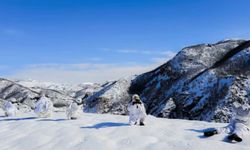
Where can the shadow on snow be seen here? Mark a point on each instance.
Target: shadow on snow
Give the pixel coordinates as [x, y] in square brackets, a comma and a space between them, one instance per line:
[201, 131]
[18, 119]
[57, 120]
[105, 125]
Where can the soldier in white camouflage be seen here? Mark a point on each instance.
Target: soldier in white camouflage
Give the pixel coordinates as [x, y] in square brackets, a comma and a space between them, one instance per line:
[44, 107]
[237, 128]
[10, 109]
[72, 112]
[137, 112]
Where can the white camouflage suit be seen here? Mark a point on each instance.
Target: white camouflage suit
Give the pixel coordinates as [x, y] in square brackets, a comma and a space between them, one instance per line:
[9, 108]
[72, 112]
[44, 107]
[137, 112]
[240, 125]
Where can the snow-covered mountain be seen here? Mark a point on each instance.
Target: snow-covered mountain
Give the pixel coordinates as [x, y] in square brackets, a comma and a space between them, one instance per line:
[25, 93]
[202, 82]
[33, 84]
[23, 96]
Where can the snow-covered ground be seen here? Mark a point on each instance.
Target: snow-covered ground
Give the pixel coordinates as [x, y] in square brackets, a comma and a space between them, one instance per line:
[108, 132]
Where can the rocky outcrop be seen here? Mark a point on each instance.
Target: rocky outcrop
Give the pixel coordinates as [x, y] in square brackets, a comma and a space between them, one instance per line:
[113, 97]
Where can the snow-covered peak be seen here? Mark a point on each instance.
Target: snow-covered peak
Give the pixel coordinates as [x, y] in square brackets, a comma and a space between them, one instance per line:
[51, 85]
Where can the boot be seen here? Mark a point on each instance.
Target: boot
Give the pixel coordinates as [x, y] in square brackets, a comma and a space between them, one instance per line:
[142, 124]
[234, 137]
[210, 133]
[73, 118]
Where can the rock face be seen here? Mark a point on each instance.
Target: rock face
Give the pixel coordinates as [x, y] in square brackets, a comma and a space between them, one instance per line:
[202, 82]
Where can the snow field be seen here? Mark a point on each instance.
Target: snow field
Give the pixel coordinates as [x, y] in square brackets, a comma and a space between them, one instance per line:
[108, 132]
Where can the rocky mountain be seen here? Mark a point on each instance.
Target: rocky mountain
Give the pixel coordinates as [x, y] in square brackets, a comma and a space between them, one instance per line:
[202, 82]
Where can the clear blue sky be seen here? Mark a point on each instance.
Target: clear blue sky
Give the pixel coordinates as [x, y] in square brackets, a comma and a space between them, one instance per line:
[56, 33]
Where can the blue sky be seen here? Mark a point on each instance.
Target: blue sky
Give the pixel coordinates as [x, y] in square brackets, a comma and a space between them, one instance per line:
[73, 41]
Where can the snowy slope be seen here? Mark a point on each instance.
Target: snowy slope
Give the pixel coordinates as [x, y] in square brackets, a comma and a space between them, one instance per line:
[108, 132]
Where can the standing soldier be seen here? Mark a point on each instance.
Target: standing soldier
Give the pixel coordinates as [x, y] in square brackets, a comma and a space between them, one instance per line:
[137, 113]
[72, 112]
[44, 107]
[10, 109]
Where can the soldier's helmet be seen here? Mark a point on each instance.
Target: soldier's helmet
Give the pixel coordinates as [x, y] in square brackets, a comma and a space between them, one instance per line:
[43, 94]
[136, 97]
